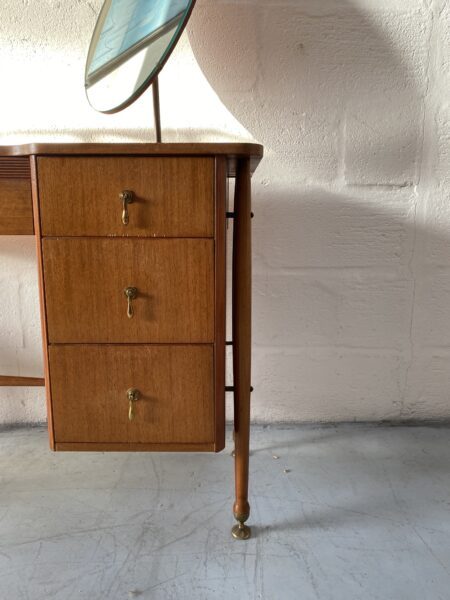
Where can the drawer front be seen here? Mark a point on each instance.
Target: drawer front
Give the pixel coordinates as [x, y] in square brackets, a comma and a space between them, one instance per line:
[85, 281]
[16, 211]
[172, 197]
[89, 394]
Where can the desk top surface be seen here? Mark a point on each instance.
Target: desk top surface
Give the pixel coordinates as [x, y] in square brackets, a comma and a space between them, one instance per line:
[231, 151]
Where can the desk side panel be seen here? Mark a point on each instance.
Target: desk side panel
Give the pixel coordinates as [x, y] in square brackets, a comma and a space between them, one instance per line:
[37, 229]
[220, 301]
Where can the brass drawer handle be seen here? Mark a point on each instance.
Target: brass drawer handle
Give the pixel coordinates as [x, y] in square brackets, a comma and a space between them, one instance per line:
[127, 197]
[130, 294]
[133, 396]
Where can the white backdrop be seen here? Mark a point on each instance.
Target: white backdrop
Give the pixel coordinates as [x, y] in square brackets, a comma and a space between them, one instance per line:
[352, 227]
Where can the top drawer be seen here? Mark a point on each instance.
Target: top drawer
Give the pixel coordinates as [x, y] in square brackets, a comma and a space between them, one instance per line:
[172, 197]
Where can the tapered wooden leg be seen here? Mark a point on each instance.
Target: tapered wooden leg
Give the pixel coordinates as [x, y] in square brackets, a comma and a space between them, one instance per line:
[242, 342]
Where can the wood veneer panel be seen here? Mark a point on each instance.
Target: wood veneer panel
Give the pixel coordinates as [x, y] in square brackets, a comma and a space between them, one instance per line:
[238, 149]
[16, 211]
[89, 393]
[174, 197]
[85, 280]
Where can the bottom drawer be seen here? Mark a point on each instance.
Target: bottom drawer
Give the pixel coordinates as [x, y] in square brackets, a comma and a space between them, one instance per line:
[90, 405]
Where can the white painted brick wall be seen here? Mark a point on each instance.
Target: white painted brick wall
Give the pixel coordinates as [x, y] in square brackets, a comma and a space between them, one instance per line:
[351, 99]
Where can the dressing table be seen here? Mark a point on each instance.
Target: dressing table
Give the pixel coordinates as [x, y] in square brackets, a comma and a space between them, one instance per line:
[131, 250]
[131, 253]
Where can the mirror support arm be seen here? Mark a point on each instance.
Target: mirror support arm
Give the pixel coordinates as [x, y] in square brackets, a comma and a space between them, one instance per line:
[156, 110]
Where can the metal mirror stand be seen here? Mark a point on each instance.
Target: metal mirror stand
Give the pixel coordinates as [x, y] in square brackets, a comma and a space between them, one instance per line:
[156, 109]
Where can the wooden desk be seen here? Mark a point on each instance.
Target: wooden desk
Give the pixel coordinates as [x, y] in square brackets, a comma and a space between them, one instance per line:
[132, 274]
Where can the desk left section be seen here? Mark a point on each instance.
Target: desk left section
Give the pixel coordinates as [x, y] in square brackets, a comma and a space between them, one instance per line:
[131, 252]
[16, 211]
[16, 218]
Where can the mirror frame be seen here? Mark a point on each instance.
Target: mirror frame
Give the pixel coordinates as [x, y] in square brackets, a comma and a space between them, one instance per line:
[152, 76]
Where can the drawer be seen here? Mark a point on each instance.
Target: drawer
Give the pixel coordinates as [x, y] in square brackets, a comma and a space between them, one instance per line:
[16, 211]
[89, 394]
[172, 197]
[85, 279]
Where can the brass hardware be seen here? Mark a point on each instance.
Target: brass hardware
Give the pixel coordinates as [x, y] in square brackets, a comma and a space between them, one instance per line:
[241, 532]
[133, 396]
[127, 197]
[232, 215]
[130, 294]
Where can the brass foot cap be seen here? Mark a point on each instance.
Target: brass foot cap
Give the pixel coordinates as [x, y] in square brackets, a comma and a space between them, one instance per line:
[241, 532]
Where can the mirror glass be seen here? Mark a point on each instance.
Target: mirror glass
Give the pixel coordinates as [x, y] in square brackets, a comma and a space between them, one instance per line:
[131, 42]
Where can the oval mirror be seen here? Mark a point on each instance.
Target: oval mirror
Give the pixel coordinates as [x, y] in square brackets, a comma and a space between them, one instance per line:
[132, 41]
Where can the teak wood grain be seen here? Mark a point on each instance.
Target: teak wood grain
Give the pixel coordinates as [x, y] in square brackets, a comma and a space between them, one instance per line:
[232, 152]
[16, 211]
[17, 380]
[220, 298]
[89, 394]
[173, 197]
[133, 447]
[242, 323]
[42, 307]
[85, 279]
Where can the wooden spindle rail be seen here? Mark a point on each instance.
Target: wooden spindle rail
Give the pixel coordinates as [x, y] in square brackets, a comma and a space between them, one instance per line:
[15, 381]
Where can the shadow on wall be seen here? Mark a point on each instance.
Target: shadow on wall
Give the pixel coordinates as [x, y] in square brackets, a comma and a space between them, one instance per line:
[345, 277]
[351, 289]
[330, 90]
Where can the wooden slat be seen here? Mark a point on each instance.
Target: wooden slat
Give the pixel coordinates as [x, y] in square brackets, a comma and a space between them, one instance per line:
[114, 447]
[14, 167]
[13, 381]
[220, 300]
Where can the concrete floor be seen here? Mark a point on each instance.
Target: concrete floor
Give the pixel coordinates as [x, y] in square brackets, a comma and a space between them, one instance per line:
[347, 512]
